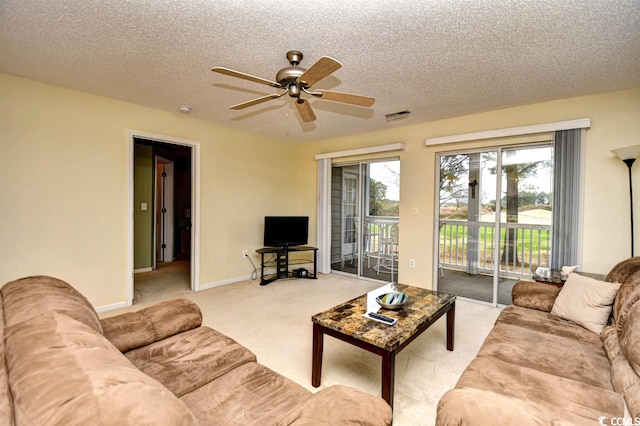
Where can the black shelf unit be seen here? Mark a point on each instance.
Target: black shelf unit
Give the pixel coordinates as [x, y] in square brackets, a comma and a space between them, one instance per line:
[282, 263]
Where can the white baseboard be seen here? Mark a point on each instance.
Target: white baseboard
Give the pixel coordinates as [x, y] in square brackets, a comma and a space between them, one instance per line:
[113, 306]
[106, 308]
[137, 271]
[224, 282]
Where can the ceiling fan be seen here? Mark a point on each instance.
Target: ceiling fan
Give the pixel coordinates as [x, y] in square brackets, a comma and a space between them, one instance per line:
[295, 81]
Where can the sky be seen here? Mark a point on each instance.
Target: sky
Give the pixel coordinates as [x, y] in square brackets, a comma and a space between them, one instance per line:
[541, 182]
[387, 172]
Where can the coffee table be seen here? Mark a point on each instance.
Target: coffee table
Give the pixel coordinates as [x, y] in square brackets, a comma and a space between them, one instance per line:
[346, 322]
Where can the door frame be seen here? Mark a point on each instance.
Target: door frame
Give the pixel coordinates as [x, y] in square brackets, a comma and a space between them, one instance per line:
[352, 246]
[473, 172]
[499, 149]
[195, 205]
[363, 178]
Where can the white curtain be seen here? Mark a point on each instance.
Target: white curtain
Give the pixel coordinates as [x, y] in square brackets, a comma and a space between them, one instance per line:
[324, 216]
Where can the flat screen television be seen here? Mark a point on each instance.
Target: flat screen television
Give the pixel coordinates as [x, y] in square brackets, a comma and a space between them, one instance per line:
[284, 231]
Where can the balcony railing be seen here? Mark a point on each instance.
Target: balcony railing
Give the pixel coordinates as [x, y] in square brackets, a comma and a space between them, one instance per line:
[377, 228]
[380, 243]
[471, 247]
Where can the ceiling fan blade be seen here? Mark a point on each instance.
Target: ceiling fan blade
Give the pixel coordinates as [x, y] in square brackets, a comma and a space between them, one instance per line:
[305, 110]
[322, 68]
[256, 101]
[244, 76]
[346, 98]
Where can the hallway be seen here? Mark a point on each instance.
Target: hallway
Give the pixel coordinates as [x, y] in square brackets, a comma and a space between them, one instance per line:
[170, 279]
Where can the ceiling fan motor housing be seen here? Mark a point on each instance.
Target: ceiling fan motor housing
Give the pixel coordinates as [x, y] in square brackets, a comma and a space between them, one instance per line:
[289, 75]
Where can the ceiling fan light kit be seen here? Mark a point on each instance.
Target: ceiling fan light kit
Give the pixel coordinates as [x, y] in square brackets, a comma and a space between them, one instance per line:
[295, 81]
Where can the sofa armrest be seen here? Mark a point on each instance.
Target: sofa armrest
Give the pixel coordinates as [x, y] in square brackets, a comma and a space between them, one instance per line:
[172, 317]
[339, 405]
[534, 295]
[128, 331]
[136, 329]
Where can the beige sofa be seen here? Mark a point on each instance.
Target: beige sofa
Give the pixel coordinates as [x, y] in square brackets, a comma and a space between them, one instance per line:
[537, 369]
[61, 365]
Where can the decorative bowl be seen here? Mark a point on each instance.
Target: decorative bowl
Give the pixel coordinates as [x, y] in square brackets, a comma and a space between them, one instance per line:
[393, 301]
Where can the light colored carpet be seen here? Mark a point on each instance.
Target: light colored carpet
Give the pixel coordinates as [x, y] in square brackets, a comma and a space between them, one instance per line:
[168, 279]
[274, 322]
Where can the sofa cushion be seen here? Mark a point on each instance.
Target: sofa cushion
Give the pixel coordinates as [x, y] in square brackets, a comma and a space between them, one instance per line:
[467, 406]
[63, 372]
[30, 297]
[347, 406]
[585, 301]
[128, 331]
[543, 322]
[533, 385]
[251, 394]
[191, 359]
[555, 355]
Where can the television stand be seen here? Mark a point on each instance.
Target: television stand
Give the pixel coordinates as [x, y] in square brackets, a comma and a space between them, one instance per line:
[282, 263]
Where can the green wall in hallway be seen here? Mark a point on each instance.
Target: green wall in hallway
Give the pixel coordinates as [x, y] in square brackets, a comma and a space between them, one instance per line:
[143, 219]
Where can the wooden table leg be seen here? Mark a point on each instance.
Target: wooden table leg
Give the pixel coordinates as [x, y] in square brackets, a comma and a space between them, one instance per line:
[388, 376]
[316, 367]
[451, 319]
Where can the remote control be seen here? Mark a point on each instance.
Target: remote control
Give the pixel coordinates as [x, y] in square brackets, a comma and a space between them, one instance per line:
[382, 318]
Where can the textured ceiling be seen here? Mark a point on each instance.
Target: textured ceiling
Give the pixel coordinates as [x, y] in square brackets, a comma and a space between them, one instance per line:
[435, 58]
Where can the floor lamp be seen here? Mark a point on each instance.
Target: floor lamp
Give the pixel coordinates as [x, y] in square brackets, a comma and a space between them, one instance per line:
[628, 155]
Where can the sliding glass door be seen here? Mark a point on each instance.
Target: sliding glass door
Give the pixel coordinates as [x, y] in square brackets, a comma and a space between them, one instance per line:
[365, 200]
[494, 221]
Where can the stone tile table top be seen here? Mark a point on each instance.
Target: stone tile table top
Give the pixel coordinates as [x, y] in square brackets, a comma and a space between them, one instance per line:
[347, 318]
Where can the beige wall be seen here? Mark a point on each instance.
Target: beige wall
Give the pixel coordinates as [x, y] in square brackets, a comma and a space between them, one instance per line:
[63, 183]
[63, 187]
[614, 123]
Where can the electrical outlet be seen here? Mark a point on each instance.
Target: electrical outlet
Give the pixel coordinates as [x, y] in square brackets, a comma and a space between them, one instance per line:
[412, 263]
[245, 253]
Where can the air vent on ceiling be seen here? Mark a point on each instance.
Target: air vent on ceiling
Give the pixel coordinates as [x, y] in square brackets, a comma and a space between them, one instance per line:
[397, 115]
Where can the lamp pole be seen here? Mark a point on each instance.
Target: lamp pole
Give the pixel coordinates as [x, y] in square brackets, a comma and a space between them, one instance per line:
[629, 162]
[629, 155]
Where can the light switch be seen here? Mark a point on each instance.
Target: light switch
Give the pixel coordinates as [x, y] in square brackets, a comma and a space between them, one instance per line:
[143, 206]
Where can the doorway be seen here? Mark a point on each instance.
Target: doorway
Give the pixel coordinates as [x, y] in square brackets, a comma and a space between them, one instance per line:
[494, 220]
[164, 215]
[365, 199]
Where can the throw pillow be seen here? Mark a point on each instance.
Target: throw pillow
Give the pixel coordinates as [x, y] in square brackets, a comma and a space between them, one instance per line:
[585, 301]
